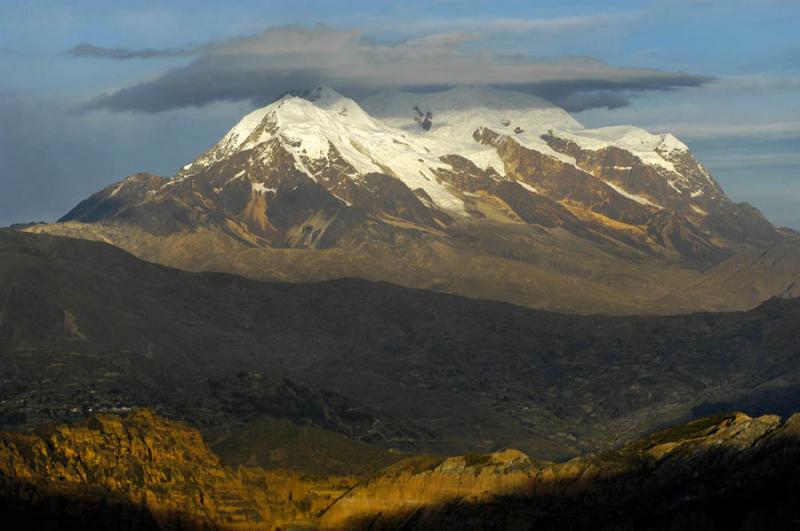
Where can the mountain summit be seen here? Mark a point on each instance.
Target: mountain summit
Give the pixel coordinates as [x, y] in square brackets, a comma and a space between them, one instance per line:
[476, 190]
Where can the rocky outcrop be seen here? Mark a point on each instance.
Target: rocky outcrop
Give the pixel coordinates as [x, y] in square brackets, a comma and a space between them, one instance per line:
[161, 471]
[113, 200]
[562, 181]
[680, 478]
[145, 472]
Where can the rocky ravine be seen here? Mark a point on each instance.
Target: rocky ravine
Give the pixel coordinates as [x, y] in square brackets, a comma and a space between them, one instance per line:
[146, 472]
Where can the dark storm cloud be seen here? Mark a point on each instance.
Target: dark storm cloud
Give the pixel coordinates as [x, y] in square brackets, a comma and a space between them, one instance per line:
[28, 162]
[575, 98]
[577, 95]
[51, 158]
[262, 66]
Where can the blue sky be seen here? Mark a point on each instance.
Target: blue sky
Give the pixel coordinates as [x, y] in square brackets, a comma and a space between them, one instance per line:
[732, 67]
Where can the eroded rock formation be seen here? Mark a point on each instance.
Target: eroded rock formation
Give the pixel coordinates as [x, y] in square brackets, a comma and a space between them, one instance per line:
[142, 471]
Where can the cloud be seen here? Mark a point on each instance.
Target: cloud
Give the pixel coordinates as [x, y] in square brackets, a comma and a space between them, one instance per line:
[754, 161]
[776, 129]
[88, 50]
[547, 26]
[755, 82]
[577, 97]
[261, 66]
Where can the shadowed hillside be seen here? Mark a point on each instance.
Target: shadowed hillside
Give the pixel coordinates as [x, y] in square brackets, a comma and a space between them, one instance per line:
[409, 369]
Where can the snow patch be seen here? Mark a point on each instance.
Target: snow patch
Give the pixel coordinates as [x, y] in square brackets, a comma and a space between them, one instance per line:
[262, 188]
[528, 187]
[639, 199]
[116, 189]
[235, 177]
[674, 186]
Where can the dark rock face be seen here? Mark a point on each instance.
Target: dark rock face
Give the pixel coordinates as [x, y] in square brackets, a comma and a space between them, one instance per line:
[564, 182]
[537, 209]
[110, 201]
[423, 119]
[627, 170]
[695, 201]
[381, 195]
[674, 231]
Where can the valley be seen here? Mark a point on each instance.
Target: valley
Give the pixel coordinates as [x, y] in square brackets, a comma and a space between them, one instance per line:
[86, 326]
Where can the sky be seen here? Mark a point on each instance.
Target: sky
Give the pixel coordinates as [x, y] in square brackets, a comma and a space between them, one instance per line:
[92, 91]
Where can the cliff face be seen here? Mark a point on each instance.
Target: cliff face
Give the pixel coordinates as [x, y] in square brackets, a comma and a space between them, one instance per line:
[146, 472]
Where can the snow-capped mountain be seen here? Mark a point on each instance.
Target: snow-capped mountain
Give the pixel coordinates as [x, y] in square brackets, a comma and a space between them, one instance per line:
[408, 135]
[471, 171]
[454, 117]
[325, 128]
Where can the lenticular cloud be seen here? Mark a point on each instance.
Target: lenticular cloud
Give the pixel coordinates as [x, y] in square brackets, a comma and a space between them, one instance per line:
[259, 67]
